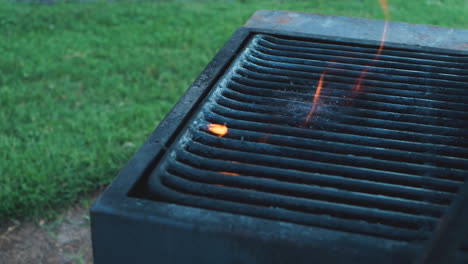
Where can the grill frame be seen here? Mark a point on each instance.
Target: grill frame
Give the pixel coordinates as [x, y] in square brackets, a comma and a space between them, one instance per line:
[245, 237]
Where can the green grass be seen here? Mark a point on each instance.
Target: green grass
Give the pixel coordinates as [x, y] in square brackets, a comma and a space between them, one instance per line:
[83, 85]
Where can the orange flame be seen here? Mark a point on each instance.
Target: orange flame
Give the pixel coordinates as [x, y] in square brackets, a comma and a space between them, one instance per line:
[362, 76]
[229, 173]
[384, 5]
[218, 129]
[316, 97]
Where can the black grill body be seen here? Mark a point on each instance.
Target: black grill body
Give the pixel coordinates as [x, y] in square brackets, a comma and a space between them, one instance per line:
[344, 173]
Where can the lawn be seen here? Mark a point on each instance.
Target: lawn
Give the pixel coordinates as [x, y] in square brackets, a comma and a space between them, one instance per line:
[82, 85]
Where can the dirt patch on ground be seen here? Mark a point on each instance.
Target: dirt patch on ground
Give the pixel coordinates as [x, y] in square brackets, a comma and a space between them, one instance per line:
[66, 240]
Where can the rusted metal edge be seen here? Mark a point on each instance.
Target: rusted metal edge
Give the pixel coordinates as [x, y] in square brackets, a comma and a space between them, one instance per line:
[361, 28]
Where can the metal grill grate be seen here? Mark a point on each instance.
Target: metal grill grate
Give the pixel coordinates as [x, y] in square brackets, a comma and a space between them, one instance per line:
[385, 161]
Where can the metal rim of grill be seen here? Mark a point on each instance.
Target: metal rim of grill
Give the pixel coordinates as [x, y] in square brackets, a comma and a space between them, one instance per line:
[386, 162]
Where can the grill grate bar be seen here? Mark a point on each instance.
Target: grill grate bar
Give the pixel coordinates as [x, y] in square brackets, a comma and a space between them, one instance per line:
[308, 64]
[356, 129]
[297, 77]
[339, 97]
[394, 219]
[234, 100]
[452, 153]
[300, 71]
[276, 82]
[203, 148]
[251, 94]
[397, 108]
[306, 191]
[403, 157]
[435, 58]
[336, 158]
[335, 57]
[325, 221]
[336, 151]
[337, 89]
[314, 178]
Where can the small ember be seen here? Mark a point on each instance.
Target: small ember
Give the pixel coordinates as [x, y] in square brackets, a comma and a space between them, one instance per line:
[218, 129]
[229, 173]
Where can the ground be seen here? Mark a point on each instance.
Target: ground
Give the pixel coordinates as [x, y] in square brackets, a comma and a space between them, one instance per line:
[65, 240]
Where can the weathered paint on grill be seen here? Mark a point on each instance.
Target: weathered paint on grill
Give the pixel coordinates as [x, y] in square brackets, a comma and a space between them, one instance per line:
[360, 28]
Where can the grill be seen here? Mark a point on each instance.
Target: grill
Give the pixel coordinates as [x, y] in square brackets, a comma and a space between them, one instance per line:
[330, 149]
[386, 161]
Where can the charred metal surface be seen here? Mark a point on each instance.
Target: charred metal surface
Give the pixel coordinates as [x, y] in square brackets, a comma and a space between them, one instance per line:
[272, 157]
[360, 28]
[367, 180]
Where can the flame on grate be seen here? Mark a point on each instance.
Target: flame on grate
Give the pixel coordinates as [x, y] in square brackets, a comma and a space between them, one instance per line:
[217, 129]
[318, 90]
[229, 173]
[362, 76]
